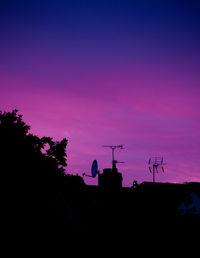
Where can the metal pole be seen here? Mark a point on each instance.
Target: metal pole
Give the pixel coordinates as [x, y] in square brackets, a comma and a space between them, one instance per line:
[112, 154]
[153, 174]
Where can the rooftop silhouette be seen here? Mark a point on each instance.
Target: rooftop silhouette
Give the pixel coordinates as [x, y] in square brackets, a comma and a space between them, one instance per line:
[35, 185]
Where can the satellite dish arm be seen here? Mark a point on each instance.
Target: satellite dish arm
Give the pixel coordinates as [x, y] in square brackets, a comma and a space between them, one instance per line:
[87, 175]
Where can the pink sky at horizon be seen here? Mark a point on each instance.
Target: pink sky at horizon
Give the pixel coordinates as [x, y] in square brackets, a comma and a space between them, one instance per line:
[142, 129]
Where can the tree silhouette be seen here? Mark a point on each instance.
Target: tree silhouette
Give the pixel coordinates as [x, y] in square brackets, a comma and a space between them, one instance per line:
[32, 173]
[26, 155]
[31, 170]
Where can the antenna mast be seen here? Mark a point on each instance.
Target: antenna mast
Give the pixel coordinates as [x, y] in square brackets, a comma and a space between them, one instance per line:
[154, 164]
[113, 148]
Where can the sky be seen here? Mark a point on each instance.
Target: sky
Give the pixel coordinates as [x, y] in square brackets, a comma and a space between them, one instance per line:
[107, 73]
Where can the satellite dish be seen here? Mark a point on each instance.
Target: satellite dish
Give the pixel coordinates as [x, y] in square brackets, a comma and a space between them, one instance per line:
[94, 168]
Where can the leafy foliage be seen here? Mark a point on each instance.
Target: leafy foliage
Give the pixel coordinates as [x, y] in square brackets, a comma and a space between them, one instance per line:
[32, 176]
[26, 156]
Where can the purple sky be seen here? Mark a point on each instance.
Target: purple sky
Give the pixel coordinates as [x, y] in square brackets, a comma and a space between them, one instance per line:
[107, 73]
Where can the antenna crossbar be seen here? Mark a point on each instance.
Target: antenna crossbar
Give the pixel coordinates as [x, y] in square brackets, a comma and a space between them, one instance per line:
[154, 164]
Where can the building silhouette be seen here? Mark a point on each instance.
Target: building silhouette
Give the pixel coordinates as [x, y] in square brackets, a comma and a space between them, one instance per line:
[110, 180]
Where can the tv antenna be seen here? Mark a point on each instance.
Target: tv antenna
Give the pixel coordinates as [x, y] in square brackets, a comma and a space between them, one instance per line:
[113, 148]
[154, 164]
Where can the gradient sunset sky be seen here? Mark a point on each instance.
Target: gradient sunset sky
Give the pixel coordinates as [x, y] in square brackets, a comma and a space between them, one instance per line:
[107, 73]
